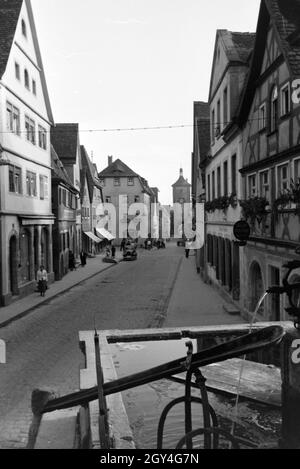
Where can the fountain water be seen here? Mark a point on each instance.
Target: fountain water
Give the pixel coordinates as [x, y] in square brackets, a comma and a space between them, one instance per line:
[252, 322]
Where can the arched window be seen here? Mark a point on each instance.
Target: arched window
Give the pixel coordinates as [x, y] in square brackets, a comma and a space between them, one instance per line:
[274, 109]
[26, 79]
[24, 29]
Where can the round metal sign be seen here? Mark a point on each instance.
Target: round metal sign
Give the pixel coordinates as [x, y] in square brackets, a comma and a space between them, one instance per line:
[241, 230]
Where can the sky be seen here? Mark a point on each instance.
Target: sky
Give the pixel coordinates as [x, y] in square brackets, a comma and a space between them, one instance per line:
[114, 64]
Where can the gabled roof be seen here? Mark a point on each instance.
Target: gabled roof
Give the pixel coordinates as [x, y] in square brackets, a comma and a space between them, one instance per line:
[117, 169]
[59, 173]
[237, 46]
[285, 18]
[64, 138]
[89, 169]
[9, 18]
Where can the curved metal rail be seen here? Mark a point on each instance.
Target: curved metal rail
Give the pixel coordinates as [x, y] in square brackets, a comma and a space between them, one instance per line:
[249, 343]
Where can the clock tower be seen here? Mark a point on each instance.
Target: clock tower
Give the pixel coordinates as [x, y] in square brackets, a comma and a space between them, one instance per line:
[181, 190]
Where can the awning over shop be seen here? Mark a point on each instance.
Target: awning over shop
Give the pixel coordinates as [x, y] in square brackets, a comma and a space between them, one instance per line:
[92, 236]
[104, 234]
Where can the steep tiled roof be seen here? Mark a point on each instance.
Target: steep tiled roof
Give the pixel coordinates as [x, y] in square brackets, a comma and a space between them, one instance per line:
[117, 169]
[238, 46]
[64, 138]
[9, 17]
[286, 18]
[181, 182]
[58, 170]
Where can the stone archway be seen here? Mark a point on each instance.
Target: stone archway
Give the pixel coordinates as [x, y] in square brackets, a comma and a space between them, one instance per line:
[13, 265]
[256, 287]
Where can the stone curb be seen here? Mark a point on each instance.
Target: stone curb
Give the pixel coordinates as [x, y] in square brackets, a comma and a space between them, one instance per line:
[48, 299]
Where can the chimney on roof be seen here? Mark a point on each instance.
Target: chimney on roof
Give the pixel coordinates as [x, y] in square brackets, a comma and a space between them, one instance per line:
[110, 160]
[181, 172]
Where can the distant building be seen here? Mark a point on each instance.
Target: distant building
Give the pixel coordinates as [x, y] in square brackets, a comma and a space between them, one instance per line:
[26, 217]
[181, 190]
[65, 140]
[92, 199]
[181, 195]
[120, 180]
[64, 206]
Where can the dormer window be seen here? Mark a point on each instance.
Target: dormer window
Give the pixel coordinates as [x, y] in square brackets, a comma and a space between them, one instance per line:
[26, 79]
[24, 29]
[274, 110]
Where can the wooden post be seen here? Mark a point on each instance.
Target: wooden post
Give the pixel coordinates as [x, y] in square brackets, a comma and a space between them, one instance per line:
[291, 390]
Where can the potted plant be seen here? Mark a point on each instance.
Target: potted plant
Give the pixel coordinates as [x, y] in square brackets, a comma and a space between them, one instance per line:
[233, 200]
[254, 208]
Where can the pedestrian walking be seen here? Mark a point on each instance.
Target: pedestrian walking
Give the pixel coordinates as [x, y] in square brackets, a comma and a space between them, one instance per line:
[123, 242]
[42, 279]
[83, 256]
[72, 263]
[113, 251]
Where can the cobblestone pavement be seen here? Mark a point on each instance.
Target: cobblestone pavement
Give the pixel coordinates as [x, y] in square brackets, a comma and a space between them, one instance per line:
[43, 349]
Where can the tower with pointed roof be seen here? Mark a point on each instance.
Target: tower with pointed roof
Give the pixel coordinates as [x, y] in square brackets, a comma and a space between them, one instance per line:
[181, 190]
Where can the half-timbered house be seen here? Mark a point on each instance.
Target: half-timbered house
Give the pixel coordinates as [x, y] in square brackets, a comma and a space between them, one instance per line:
[270, 118]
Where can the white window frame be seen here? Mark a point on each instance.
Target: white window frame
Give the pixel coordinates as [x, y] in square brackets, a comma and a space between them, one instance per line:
[250, 194]
[262, 121]
[262, 184]
[274, 118]
[117, 182]
[31, 189]
[284, 112]
[17, 179]
[295, 176]
[44, 187]
[130, 181]
[30, 130]
[13, 121]
[279, 190]
[42, 134]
